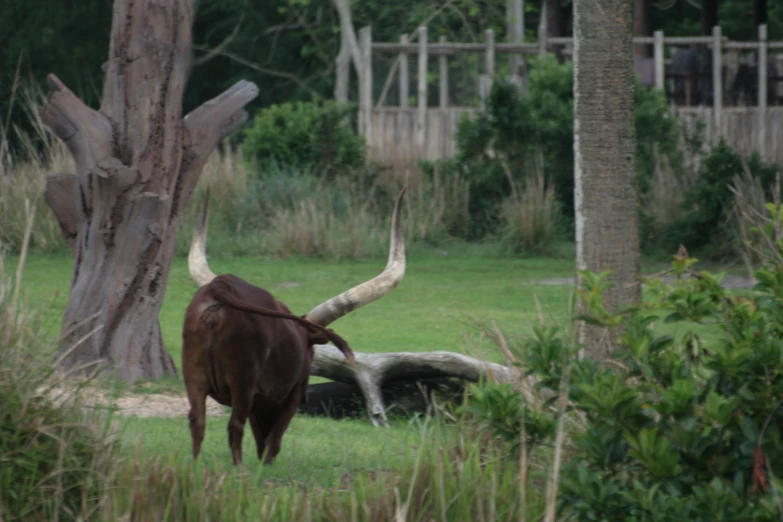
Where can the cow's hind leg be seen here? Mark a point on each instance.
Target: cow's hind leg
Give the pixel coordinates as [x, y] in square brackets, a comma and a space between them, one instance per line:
[240, 410]
[261, 422]
[197, 417]
[280, 424]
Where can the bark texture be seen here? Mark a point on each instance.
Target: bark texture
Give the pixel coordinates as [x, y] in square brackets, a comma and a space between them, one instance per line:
[606, 192]
[137, 162]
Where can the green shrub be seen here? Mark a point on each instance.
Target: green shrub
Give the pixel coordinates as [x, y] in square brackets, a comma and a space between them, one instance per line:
[708, 203]
[499, 409]
[518, 135]
[316, 135]
[684, 427]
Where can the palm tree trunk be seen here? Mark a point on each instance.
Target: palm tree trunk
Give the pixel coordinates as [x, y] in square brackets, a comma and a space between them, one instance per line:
[606, 192]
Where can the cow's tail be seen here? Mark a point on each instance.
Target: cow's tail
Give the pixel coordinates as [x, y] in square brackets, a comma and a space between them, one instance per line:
[221, 292]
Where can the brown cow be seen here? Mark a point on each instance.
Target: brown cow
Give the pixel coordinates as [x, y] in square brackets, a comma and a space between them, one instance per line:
[247, 350]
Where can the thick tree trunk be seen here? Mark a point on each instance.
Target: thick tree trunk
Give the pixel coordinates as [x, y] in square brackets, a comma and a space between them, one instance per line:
[137, 162]
[606, 194]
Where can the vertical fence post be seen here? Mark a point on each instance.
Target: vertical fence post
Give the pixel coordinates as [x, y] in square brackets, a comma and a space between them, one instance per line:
[443, 77]
[421, 92]
[489, 60]
[717, 83]
[365, 91]
[515, 13]
[660, 79]
[404, 85]
[762, 105]
[542, 39]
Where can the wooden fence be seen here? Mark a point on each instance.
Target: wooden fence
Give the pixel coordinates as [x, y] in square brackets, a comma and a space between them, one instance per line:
[404, 134]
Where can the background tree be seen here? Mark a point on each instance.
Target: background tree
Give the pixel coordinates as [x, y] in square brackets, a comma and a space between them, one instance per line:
[137, 162]
[290, 45]
[606, 193]
[641, 26]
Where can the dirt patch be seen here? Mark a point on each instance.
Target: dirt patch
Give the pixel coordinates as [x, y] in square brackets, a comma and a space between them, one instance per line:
[137, 405]
[160, 405]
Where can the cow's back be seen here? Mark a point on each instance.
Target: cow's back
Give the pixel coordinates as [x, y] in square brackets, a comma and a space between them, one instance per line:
[242, 350]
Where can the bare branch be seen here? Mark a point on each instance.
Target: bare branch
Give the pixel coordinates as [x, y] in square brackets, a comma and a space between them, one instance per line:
[208, 124]
[265, 70]
[221, 47]
[86, 132]
[284, 28]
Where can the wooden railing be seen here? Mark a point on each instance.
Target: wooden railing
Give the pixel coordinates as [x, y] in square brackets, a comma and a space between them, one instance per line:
[413, 128]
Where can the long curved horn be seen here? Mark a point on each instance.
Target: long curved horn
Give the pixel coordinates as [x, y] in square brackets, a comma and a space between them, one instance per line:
[197, 256]
[336, 307]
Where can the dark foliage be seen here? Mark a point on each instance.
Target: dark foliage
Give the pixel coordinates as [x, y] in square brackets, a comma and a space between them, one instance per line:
[709, 201]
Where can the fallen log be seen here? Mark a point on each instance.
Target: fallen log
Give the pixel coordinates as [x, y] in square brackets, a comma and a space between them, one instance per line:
[383, 377]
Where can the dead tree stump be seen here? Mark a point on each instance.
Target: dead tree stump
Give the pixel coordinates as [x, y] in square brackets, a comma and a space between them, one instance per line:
[137, 162]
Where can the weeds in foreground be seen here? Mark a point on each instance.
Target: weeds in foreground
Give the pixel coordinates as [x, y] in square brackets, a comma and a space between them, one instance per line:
[449, 478]
[54, 454]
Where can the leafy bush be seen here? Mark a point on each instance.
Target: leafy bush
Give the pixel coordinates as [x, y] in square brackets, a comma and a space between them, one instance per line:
[520, 134]
[499, 408]
[708, 203]
[684, 427]
[314, 135]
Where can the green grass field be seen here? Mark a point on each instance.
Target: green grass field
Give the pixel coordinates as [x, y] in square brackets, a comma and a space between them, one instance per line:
[433, 308]
[441, 305]
[316, 451]
[436, 307]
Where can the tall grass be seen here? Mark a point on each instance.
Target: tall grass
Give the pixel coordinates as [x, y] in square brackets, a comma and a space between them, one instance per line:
[450, 478]
[272, 211]
[23, 179]
[438, 208]
[667, 192]
[749, 216]
[54, 456]
[282, 212]
[530, 216]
